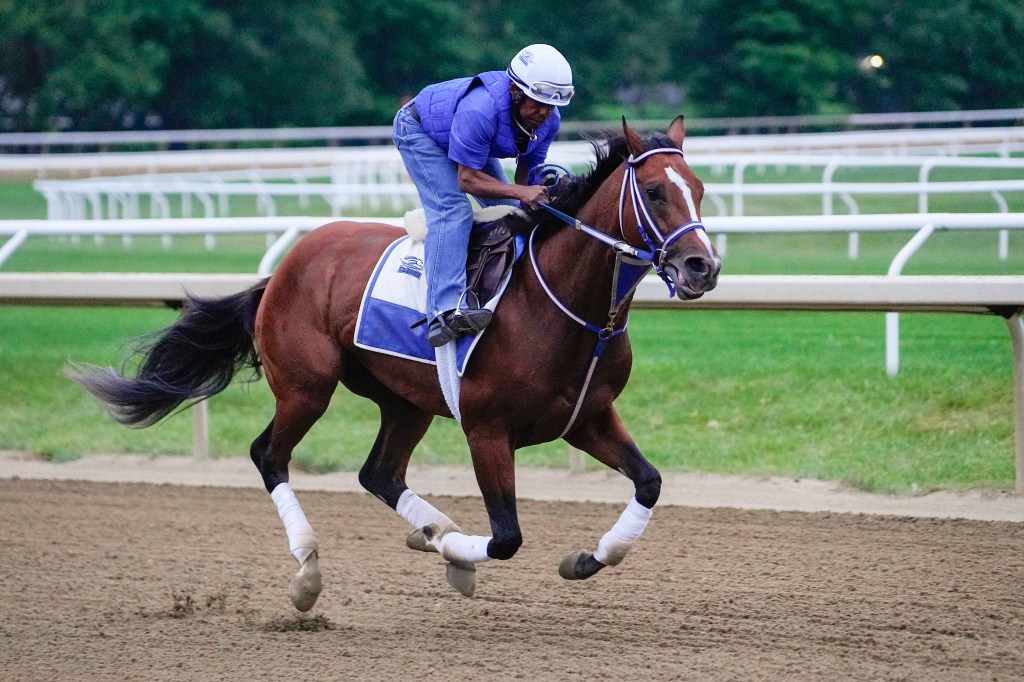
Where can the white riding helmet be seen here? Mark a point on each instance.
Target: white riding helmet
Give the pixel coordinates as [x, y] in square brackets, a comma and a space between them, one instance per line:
[543, 74]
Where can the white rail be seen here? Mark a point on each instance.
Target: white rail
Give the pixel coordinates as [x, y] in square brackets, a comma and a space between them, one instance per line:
[71, 199]
[992, 294]
[376, 179]
[1002, 141]
[361, 133]
[289, 229]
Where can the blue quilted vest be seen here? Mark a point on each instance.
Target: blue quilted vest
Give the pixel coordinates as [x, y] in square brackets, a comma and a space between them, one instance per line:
[436, 106]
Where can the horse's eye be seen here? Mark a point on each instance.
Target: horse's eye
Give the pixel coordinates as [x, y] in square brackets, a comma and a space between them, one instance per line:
[654, 193]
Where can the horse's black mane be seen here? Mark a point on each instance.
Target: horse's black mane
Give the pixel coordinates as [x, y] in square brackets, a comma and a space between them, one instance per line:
[609, 152]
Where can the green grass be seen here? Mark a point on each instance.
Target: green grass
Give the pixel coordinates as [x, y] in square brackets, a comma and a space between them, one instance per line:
[946, 253]
[232, 253]
[791, 394]
[19, 200]
[801, 395]
[806, 395]
[949, 252]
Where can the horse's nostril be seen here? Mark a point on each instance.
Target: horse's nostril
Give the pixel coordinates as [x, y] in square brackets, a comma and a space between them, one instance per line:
[698, 265]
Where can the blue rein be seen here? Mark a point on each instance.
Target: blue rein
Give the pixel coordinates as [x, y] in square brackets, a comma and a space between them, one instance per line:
[617, 245]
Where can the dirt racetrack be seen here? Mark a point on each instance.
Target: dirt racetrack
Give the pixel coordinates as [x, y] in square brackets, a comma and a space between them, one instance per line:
[133, 581]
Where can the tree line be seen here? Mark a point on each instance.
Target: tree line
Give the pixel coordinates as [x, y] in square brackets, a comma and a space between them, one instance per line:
[179, 64]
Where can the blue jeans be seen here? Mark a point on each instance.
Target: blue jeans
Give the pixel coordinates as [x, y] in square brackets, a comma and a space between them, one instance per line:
[448, 210]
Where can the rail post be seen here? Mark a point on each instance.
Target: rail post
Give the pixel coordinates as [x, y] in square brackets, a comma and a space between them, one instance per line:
[201, 430]
[892, 320]
[577, 465]
[1017, 336]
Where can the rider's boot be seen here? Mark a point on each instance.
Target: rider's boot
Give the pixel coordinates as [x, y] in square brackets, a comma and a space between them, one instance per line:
[452, 324]
[467, 317]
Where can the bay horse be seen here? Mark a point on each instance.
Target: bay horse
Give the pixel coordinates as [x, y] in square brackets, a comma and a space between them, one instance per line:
[549, 366]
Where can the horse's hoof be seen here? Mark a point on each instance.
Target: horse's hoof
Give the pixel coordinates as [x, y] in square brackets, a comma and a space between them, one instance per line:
[462, 576]
[579, 566]
[306, 585]
[425, 539]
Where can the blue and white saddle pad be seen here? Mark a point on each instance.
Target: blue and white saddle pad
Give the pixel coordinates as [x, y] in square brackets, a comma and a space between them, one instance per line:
[396, 298]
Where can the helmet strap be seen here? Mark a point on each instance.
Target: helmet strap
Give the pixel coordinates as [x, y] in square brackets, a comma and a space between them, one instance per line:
[517, 103]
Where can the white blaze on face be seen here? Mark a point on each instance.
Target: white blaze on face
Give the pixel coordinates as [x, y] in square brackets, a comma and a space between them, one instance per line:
[679, 182]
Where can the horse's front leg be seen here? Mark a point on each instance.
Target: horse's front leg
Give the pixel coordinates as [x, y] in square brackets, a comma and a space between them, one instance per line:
[605, 438]
[402, 426]
[432, 529]
[495, 474]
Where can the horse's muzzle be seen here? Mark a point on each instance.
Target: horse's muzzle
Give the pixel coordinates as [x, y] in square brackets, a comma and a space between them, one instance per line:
[697, 276]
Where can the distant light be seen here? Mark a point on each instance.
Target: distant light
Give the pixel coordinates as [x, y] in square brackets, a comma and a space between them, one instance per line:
[871, 63]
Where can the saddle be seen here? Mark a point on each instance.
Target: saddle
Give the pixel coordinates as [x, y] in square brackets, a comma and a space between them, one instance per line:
[492, 248]
[492, 252]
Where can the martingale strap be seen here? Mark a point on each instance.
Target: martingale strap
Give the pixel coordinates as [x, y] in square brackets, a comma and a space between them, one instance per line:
[604, 335]
[631, 264]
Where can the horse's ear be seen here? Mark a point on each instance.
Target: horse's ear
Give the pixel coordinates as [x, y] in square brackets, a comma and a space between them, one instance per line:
[634, 143]
[677, 131]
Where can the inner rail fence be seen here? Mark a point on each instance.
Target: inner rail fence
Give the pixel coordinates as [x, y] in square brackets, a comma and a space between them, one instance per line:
[1002, 141]
[282, 232]
[376, 181]
[100, 199]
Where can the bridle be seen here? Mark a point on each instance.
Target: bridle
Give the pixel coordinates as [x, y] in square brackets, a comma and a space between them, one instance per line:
[631, 263]
[657, 243]
[658, 251]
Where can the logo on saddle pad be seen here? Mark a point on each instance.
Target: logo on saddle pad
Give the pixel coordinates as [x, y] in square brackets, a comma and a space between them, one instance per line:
[394, 304]
[411, 265]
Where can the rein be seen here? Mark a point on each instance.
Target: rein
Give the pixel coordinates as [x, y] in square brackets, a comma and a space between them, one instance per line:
[631, 263]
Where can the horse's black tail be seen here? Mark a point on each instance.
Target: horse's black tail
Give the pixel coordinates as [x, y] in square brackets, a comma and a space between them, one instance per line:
[191, 360]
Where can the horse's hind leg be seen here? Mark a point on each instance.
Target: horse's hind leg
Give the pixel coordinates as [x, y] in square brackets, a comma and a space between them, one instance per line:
[271, 452]
[495, 474]
[402, 426]
[605, 438]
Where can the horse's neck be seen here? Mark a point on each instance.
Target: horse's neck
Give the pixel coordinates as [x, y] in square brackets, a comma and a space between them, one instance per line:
[578, 268]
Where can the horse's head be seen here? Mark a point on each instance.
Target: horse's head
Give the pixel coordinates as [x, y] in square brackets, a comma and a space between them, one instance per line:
[659, 209]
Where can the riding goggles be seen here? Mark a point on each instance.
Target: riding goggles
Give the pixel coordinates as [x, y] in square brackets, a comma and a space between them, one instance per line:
[545, 92]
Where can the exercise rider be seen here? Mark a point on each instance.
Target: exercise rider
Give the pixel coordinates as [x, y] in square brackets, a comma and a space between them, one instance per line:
[451, 137]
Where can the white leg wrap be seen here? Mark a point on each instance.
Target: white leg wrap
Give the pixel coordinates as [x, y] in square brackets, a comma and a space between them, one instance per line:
[302, 541]
[453, 546]
[459, 547]
[617, 542]
[417, 512]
